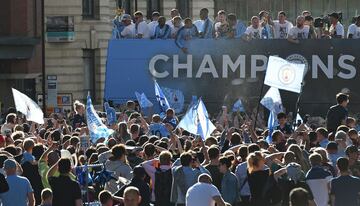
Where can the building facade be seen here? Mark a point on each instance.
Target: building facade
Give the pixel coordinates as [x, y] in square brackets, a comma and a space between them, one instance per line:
[79, 62]
[20, 48]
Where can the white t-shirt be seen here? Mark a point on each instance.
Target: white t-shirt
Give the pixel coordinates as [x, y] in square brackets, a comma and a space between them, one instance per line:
[201, 194]
[282, 30]
[142, 28]
[354, 30]
[152, 25]
[338, 28]
[253, 33]
[174, 31]
[128, 32]
[297, 33]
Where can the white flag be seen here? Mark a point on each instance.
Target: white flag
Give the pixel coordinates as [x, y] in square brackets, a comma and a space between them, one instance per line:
[28, 107]
[284, 75]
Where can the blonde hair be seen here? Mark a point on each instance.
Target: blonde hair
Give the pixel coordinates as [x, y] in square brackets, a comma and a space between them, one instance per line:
[305, 165]
[77, 105]
[253, 160]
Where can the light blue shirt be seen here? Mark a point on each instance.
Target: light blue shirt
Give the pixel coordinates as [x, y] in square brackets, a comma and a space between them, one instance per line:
[27, 157]
[158, 129]
[323, 143]
[162, 33]
[240, 29]
[185, 34]
[241, 174]
[229, 185]
[207, 29]
[19, 188]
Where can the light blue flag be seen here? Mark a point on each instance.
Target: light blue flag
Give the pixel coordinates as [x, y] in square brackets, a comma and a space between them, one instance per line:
[161, 98]
[175, 98]
[271, 124]
[144, 102]
[238, 106]
[96, 128]
[196, 121]
[110, 114]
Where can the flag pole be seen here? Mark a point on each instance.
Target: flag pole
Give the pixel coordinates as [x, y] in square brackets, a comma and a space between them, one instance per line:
[297, 108]
[258, 106]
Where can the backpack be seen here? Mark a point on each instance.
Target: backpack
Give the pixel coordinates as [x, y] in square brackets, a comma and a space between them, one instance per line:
[163, 183]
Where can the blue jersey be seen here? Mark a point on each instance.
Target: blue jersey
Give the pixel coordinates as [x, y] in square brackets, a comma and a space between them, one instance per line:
[186, 34]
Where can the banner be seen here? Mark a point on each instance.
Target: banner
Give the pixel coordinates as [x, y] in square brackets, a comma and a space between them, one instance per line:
[215, 69]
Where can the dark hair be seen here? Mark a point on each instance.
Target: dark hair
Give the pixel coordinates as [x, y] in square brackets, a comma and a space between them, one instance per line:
[225, 161]
[262, 13]
[134, 128]
[323, 131]
[343, 164]
[185, 159]
[118, 151]
[11, 118]
[235, 139]
[276, 135]
[309, 18]
[281, 115]
[2, 160]
[282, 13]
[204, 10]
[38, 150]
[213, 152]
[46, 194]
[104, 196]
[149, 150]
[143, 139]
[343, 128]
[231, 17]
[341, 97]
[64, 165]
[243, 152]
[89, 152]
[74, 140]
[299, 197]
[315, 159]
[253, 148]
[56, 135]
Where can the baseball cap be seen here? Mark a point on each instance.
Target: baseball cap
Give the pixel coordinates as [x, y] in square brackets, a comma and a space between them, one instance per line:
[2, 139]
[335, 15]
[340, 135]
[9, 164]
[125, 17]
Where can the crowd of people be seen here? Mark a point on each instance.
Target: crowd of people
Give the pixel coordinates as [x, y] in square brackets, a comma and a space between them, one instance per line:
[150, 161]
[227, 26]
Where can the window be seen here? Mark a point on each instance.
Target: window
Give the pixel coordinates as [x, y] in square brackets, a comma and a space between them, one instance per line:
[89, 56]
[127, 5]
[154, 5]
[184, 7]
[90, 9]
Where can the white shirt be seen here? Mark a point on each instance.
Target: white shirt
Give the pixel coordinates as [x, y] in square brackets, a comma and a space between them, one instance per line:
[128, 32]
[174, 31]
[142, 28]
[297, 33]
[199, 25]
[282, 30]
[354, 30]
[338, 28]
[254, 33]
[152, 25]
[170, 23]
[201, 194]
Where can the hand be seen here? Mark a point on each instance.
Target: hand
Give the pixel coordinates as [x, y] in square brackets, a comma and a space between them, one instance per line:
[185, 50]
